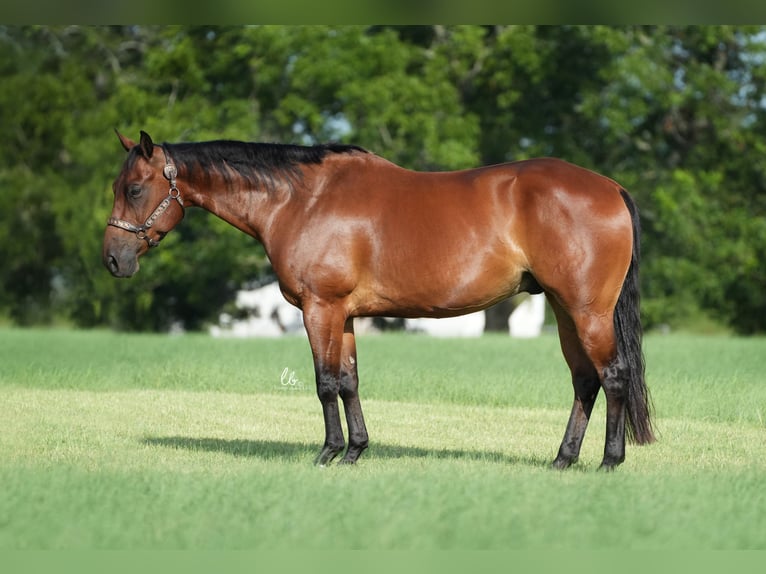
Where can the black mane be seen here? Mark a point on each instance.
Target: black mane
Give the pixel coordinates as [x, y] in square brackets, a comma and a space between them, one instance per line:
[260, 164]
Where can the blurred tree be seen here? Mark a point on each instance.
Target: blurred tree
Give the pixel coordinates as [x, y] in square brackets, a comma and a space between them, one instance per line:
[676, 114]
[69, 86]
[680, 121]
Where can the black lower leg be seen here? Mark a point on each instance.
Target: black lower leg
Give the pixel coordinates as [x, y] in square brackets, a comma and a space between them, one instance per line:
[586, 390]
[615, 389]
[334, 442]
[357, 430]
[349, 392]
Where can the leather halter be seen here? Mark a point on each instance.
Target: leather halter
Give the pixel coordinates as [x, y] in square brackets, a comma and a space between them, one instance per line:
[170, 172]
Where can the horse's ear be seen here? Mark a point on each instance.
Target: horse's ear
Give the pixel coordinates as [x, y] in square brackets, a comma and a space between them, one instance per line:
[147, 146]
[127, 143]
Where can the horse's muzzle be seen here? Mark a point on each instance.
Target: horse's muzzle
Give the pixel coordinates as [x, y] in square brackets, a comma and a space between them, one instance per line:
[121, 259]
[120, 269]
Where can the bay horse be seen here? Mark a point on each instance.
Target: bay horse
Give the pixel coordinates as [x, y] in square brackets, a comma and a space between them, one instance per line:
[350, 234]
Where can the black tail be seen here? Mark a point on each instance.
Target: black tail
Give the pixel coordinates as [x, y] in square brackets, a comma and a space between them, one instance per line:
[627, 326]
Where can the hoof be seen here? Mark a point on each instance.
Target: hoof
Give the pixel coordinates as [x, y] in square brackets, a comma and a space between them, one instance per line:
[609, 465]
[326, 456]
[562, 463]
[352, 454]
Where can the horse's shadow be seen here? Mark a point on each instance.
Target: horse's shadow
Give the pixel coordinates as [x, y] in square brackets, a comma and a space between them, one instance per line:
[294, 451]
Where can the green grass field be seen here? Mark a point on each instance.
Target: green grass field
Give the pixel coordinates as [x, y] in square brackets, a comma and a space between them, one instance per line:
[113, 441]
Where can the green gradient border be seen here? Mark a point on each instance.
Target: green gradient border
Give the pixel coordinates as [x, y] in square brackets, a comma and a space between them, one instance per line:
[389, 12]
[372, 562]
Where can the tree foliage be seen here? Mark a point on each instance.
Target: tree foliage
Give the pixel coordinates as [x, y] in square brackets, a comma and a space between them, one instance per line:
[676, 114]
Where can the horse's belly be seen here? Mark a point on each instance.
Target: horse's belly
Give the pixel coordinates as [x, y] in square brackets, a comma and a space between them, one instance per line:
[441, 291]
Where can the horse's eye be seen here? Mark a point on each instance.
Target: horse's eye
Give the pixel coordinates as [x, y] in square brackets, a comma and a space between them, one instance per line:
[134, 191]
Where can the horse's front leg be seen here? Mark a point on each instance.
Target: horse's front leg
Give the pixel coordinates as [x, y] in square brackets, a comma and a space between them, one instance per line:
[349, 392]
[324, 325]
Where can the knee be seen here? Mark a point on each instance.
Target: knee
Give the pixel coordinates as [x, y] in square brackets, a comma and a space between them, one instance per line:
[349, 386]
[327, 387]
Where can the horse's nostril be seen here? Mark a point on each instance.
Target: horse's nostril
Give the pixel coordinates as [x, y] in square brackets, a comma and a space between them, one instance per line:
[112, 265]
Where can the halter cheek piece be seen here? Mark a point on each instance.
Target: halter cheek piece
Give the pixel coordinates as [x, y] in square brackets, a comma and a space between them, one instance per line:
[170, 172]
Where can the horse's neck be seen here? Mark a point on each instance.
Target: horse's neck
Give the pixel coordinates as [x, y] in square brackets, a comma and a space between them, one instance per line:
[249, 209]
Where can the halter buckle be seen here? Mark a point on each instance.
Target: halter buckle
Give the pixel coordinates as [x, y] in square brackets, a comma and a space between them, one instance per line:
[170, 172]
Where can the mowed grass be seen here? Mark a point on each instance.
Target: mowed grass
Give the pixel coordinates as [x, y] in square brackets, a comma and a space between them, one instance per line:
[113, 441]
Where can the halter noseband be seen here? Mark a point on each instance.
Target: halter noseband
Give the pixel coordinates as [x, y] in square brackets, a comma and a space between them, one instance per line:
[170, 172]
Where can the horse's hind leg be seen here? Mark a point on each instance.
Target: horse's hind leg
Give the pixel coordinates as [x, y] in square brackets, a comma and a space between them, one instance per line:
[586, 383]
[597, 336]
[590, 348]
[349, 392]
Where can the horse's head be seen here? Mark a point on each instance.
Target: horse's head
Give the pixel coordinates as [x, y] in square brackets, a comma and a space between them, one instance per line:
[147, 205]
